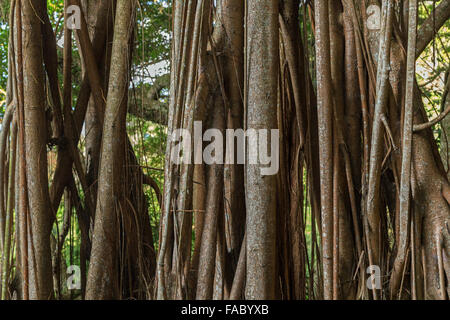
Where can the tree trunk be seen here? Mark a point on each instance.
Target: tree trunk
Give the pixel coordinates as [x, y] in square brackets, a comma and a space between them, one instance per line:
[102, 280]
[39, 253]
[262, 50]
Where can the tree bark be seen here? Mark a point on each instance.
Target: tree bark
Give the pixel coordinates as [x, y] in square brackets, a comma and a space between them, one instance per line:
[262, 66]
[39, 253]
[102, 278]
[325, 116]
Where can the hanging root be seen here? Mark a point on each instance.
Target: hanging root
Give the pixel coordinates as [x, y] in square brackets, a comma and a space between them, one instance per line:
[444, 260]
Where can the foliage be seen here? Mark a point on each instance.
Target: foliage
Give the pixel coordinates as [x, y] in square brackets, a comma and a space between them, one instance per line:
[432, 66]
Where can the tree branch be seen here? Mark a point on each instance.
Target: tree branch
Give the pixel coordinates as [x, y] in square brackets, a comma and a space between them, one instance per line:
[426, 32]
[423, 126]
[153, 109]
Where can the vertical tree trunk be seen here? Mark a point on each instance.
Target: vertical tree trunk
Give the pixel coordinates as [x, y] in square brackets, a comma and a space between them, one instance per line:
[99, 19]
[39, 253]
[102, 278]
[445, 140]
[405, 183]
[325, 116]
[232, 15]
[374, 207]
[262, 68]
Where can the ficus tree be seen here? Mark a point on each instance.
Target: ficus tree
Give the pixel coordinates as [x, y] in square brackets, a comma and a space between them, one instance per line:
[357, 92]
